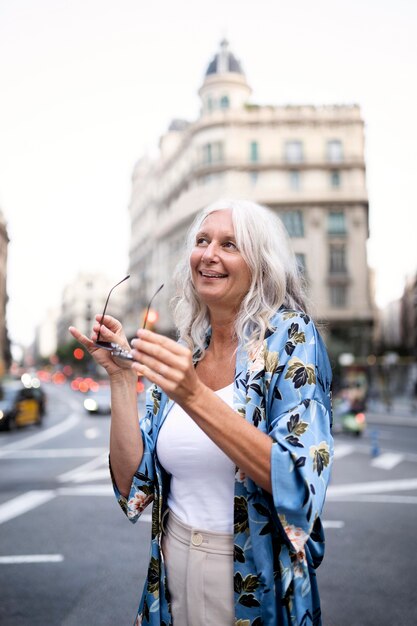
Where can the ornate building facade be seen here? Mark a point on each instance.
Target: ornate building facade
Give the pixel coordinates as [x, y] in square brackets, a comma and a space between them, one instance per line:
[304, 162]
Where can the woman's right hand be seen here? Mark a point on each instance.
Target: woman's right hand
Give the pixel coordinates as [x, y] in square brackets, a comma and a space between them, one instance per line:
[110, 330]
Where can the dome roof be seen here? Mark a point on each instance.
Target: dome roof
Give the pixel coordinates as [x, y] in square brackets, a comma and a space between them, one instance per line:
[224, 61]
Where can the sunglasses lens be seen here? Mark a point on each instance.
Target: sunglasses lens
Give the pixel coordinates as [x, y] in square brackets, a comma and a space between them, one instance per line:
[106, 345]
[115, 350]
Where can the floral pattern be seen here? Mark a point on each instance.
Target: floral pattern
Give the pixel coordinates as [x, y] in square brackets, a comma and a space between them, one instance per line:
[284, 390]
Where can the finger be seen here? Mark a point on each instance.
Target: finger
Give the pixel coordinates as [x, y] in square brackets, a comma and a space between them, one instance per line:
[162, 348]
[155, 356]
[175, 374]
[80, 337]
[108, 334]
[153, 376]
[161, 340]
[111, 322]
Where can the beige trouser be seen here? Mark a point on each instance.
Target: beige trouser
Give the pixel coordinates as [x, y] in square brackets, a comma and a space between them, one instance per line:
[199, 568]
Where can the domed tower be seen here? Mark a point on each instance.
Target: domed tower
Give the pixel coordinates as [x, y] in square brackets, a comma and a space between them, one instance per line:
[225, 85]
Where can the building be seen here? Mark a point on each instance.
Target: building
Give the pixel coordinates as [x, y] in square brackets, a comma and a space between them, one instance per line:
[5, 356]
[305, 162]
[82, 299]
[46, 335]
[409, 316]
[389, 336]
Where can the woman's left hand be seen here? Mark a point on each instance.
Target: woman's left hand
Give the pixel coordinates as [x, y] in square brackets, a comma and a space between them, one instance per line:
[166, 363]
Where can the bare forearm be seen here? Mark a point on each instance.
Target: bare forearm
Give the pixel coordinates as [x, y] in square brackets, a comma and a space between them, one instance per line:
[126, 447]
[245, 445]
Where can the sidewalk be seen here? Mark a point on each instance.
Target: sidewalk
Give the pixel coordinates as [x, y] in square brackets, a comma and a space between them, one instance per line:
[400, 413]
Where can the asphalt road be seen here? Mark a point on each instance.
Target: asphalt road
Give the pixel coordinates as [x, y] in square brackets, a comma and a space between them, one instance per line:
[68, 555]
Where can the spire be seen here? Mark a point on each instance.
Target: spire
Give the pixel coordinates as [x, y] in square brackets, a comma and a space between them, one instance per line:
[224, 61]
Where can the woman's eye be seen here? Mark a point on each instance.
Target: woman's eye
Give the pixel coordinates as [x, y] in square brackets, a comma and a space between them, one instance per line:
[231, 245]
[201, 240]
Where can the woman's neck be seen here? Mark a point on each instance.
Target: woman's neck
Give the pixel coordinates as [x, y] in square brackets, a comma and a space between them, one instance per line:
[223, 338]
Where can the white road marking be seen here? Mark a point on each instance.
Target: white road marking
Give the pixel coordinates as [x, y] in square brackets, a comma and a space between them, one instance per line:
[91, 433]
[333, 523]
[94, 475]
[86, 490]
[342, 450]
[55, 453]
[31, 558]
[388, 460]
[30, 500]
[24, 503]
[385, 499]
[54, 431]
[405, 484]
[83, 470]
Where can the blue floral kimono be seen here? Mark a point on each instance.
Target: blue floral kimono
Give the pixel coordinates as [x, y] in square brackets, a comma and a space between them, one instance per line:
[284, 390]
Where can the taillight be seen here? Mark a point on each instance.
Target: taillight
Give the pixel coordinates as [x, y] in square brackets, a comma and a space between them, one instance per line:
[360, 417]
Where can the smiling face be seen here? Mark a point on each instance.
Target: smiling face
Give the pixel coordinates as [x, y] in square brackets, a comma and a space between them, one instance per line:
[220, 275]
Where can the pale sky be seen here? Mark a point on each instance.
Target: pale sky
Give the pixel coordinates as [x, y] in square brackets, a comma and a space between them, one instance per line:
[88, 86]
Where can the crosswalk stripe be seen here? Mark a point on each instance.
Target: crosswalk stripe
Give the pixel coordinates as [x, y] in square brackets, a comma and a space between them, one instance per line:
[388, 460]
[24, 503]
[377, 486]
[31, 558]
[341, 450]
[83, 470]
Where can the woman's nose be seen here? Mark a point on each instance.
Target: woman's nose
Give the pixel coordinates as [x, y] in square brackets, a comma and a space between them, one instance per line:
[210, 252]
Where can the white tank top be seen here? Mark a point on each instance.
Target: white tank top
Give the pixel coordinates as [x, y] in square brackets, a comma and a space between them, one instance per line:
[202, 476]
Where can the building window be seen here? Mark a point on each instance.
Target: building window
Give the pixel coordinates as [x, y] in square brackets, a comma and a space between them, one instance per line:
[293, 151]
[293, 222]
[254, 151]
[338, 296]
[301, 262]
[337, 259]
[335, 179]
[334, 151]
[207, 158]
[212, 152]
[295, 180]
[336, 224]
[224, 102]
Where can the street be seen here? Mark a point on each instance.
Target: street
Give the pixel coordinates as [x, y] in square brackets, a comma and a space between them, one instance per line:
[68, 555]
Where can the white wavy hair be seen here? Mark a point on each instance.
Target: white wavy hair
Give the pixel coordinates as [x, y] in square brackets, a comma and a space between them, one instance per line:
[275, 278]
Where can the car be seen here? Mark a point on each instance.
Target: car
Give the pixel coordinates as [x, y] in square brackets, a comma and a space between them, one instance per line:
[348, 416]
[20, 405]
[98, 401]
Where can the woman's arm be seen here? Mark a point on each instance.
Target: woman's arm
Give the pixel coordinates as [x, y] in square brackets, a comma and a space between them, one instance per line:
[126, 447]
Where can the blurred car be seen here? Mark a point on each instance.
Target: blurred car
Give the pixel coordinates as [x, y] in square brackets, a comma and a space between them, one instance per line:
[20, 405]
[98, 401]
[348, 416]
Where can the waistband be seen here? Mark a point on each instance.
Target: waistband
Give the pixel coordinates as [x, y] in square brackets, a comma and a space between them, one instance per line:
[196, 538]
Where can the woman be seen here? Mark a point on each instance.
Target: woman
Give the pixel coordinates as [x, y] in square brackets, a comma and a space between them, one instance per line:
[235, 448]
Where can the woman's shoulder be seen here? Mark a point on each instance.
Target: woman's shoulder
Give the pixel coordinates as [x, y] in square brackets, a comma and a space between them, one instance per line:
[285, 318]
[294, 330]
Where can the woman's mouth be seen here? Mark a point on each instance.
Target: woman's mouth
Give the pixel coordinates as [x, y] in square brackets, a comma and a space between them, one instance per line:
[212, 275]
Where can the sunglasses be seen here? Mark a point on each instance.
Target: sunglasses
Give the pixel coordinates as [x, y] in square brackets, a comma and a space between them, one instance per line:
[114, 348]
